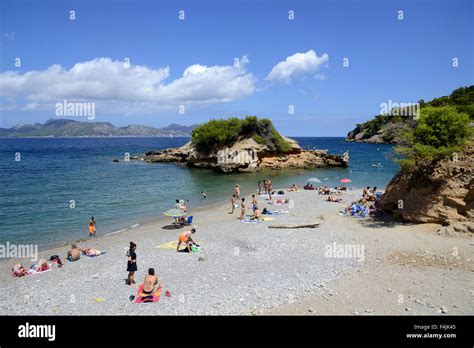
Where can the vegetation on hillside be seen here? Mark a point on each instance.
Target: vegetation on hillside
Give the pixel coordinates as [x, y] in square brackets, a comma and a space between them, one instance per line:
[218, 133]
[440, 132]
[462, 99]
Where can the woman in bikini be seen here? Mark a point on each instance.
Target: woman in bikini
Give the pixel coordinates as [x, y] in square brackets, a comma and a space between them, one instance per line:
[149, 284]
[242, 209]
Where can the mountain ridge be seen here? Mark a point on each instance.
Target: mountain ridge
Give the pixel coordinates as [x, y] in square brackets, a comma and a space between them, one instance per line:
[72, 128]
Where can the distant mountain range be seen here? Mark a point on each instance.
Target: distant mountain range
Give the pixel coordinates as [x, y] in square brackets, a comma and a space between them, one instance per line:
[73, 128]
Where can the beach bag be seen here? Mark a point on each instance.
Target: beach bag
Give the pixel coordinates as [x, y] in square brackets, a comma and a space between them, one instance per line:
[281, 192]
[264, 211]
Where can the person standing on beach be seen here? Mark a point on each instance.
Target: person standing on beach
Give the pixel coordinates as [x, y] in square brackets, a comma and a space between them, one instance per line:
[132, 263]
[237, 191]
[254, 203]
[242, 209]
[265, 185]
[92, 227]
[259, 187]
[233, 201]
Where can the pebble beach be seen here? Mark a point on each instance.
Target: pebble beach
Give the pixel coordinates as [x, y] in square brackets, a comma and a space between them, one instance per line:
[251, 269]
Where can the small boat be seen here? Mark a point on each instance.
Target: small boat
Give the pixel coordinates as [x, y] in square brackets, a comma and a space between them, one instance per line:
[378, 165]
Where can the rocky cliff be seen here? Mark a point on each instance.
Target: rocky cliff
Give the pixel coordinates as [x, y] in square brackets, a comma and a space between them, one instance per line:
[388, 132]
[246, 155]
[442, 193]
[387, 128]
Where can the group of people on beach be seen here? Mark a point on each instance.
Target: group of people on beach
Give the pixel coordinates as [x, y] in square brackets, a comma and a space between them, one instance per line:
[150, 283]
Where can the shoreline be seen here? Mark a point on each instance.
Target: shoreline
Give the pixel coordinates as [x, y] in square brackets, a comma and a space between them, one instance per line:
[247, 269]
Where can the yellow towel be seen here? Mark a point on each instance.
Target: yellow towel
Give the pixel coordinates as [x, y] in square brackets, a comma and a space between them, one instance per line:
[171, 245]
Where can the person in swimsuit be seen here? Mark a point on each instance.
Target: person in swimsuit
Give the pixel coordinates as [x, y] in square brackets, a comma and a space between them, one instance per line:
[237, 191]
[242, 209]
[149, 284]
[90, 252]
[233, 201]
[132, 263]
[74, 254]
[185, 238]
[254, 203]
[92, 227]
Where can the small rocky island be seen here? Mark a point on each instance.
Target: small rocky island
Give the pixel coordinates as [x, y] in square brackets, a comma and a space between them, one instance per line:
[248, 145]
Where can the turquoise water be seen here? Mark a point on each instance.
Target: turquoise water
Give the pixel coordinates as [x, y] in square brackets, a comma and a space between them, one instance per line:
[36, 192]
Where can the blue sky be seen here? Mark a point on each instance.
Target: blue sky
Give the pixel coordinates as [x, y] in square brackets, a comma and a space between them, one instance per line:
[389, 59]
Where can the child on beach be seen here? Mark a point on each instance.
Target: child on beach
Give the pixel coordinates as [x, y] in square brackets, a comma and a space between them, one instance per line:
[132, 263]
[242, 209]
[185, 238]
[92, 227]
[233, 201]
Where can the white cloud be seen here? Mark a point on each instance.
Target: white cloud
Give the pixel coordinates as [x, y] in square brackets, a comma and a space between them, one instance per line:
[297, 65]
[120, 85]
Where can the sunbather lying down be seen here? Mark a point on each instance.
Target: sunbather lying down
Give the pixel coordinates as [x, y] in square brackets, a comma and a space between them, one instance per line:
[91, 252]
[331, 198]
[19, 271]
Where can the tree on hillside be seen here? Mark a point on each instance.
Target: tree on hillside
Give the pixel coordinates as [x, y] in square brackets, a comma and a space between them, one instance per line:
[440, 132]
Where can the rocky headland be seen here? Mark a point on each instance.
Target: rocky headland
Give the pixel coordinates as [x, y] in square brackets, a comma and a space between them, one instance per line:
[253, 148]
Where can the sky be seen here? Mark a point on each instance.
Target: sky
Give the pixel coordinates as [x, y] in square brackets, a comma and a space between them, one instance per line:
[315, 68]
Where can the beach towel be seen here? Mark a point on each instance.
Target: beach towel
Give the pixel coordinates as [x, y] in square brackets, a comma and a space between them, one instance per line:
[150, 298]
[267, 219]
[275, 212]
[172, 245]
[94, 255]
[250, 221]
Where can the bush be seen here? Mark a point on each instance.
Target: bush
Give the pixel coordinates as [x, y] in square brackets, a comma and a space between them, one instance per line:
[218, 133]
[440, 131]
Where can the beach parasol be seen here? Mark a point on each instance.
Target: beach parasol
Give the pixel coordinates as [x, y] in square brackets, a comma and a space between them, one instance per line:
[345, 180]
[175, 213]
[314, 180]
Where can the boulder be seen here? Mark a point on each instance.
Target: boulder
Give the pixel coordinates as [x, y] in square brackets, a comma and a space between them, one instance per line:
[442, 193]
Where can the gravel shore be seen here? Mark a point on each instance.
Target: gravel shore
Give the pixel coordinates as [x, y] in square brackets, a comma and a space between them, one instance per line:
[243, 268]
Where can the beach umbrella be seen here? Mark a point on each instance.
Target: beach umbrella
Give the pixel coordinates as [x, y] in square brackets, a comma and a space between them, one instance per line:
[314, 180]
[175, 213]
[345, 180]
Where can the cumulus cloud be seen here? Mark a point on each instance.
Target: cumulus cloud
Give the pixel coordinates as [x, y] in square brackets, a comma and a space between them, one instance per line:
[131, 86]
[297, 65]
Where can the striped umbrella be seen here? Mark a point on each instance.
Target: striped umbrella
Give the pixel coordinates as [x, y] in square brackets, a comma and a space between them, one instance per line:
[175, 213]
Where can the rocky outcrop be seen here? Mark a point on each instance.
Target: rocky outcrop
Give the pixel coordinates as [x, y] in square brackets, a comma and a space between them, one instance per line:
[388, 133]
[246, 155]
[442, 193]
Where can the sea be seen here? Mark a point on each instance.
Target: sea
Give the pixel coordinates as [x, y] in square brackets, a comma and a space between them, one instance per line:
[50, 187]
